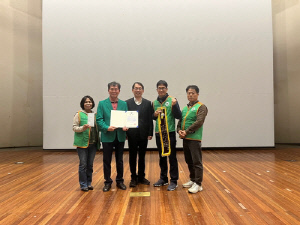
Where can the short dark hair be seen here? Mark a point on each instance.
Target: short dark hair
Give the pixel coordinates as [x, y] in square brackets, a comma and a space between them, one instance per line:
[114, 83]
[162, 82]
[139, 83]
[84, 99]
[195, 87]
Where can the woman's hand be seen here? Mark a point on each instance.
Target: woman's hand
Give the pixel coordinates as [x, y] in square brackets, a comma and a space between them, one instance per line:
[86, 126]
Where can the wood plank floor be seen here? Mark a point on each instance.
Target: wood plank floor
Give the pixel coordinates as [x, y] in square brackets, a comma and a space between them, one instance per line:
[246, 186]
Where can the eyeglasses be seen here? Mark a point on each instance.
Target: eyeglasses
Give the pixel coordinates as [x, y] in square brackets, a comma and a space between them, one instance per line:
[138, 88]
[161, 88]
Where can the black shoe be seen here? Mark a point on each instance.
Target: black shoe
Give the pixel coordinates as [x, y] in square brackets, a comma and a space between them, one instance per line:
[107, 187]
[91, 187]
[144, 181]
[132, 183]
[121, 186]
[85, 189]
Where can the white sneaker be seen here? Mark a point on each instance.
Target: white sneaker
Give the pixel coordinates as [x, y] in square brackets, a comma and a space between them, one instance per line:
[188, 184]
[195, 188]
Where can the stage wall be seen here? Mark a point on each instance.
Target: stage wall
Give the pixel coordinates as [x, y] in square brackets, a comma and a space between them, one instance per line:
[224, 47]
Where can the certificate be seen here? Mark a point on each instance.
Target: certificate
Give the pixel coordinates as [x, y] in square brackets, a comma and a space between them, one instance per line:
[91, 119]
[120, 118]
[132, 119]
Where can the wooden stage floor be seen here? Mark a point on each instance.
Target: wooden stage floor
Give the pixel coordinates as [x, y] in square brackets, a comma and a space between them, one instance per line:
[241, 186]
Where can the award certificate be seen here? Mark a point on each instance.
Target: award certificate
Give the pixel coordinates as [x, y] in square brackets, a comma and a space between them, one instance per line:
[128, 119]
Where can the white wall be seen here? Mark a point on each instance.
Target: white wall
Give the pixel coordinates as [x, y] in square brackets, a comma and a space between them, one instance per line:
[20, 17]
[226, 49]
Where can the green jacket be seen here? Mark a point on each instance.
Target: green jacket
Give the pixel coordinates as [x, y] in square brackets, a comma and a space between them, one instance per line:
[103, 121]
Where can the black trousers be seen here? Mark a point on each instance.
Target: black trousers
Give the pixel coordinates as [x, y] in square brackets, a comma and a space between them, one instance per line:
[137, 146]
[163, 161]
[193, 158]
[108, 148]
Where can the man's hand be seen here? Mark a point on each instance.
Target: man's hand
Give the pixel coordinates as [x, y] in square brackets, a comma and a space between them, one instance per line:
[157, 112]
[182, 133]
[149, 137]
[111, 128]
[125, 129]
[174, 100]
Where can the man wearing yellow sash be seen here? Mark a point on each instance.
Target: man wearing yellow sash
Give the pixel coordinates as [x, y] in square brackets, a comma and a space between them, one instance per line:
[190, 129]
[166, 110]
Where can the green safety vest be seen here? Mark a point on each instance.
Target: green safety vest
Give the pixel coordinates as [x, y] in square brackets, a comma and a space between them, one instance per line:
[171, 119]
[189, 116]
[82, 139]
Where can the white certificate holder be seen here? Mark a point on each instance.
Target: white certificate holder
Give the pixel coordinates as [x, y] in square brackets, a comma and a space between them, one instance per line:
[91, 119]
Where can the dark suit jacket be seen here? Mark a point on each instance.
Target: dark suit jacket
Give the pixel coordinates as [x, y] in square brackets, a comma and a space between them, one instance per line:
[103, 121]
[145, 118]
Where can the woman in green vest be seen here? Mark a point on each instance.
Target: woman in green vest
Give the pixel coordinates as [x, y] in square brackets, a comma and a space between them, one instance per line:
[87, 141]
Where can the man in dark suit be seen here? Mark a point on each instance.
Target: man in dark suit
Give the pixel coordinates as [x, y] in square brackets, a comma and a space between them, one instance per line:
[112, 137]
[138, 137]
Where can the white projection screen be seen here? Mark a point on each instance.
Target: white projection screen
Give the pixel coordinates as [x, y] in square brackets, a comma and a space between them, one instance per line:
[224, 47]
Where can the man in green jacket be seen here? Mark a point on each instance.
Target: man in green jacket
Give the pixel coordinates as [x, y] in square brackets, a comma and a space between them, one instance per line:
[112, 137]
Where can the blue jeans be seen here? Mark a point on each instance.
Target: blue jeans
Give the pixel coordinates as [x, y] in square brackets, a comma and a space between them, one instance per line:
[86, 160]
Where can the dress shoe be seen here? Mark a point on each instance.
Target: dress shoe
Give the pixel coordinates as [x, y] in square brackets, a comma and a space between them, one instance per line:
[107, 187]
[121, 186]
[91, 187]
[144, 181]
[85, 189]
[132, 183]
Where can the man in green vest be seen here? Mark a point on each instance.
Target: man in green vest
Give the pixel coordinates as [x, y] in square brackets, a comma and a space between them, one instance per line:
[172, 112]
[190, 129]
[113, 138]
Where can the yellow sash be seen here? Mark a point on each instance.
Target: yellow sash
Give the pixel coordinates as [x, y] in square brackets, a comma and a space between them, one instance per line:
[164, 132]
